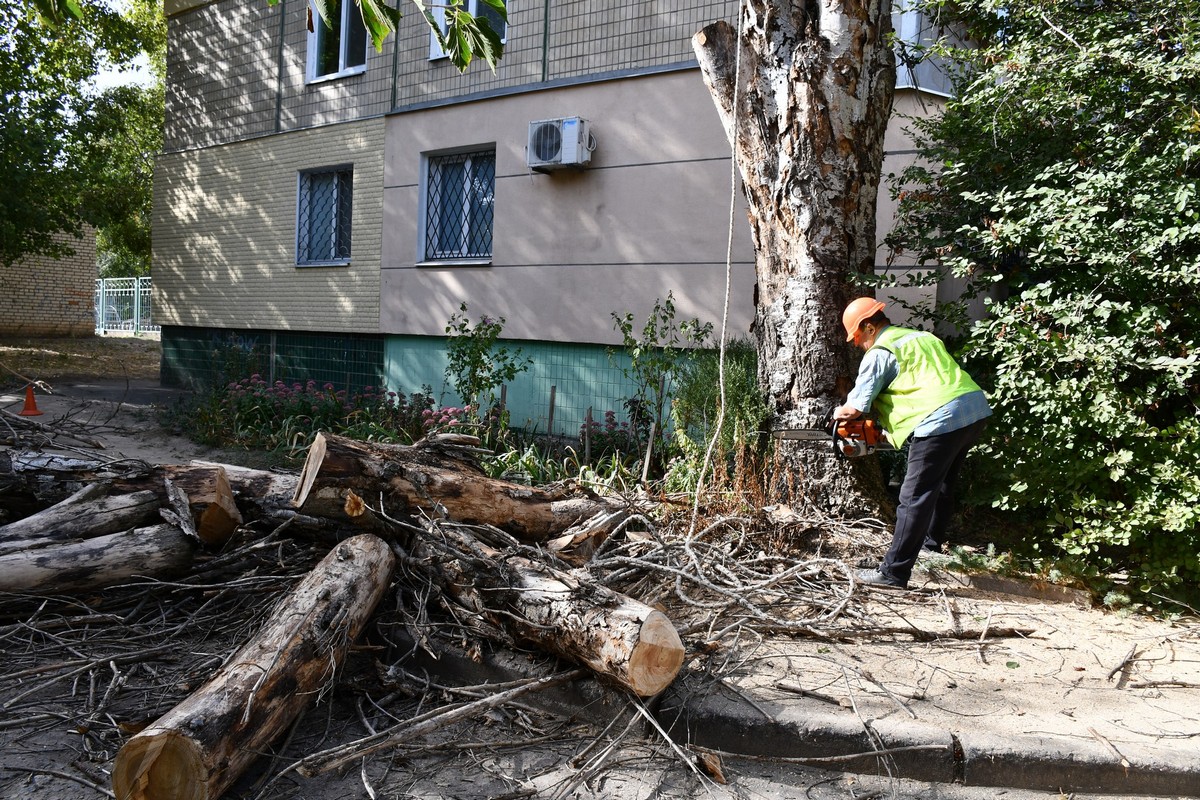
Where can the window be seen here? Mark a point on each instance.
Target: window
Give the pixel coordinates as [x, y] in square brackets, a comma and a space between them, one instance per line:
[476, 8]
[339, 48]
[323, 216]
[460, 193]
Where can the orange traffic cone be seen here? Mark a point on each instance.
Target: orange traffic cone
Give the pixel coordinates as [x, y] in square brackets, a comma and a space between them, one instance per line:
[30, 409]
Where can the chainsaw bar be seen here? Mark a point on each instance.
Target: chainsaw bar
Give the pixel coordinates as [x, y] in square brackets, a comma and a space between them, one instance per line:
[810, 434]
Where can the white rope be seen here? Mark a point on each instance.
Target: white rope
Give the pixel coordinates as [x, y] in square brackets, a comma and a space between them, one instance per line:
[733, 173]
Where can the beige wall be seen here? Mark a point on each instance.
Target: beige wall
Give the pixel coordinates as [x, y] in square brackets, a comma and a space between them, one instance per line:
[51, 297]
[225, 234]
[650, 215]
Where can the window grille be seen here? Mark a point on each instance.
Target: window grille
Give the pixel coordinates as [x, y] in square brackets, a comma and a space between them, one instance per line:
[460, 196]
[324, 216]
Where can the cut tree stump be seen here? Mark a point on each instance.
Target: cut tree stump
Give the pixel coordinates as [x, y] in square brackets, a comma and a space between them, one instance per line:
[83, 515]
[435, 478]
[199, 748]
[158, 551]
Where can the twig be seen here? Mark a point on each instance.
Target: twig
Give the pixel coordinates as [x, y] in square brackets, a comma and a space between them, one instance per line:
[1124, 663]
[1109, 745]
[330, 759]
[66, 776]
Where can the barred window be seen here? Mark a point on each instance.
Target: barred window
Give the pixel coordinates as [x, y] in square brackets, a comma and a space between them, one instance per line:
[460, 192]
[339, 47]
[323, 218]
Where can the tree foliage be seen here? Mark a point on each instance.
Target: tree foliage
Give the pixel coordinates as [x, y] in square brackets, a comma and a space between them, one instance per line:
[463, 36]
[71, 155]
[1063, 180]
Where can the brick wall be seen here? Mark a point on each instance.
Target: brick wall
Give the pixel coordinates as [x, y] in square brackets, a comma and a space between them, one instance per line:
[51, 297]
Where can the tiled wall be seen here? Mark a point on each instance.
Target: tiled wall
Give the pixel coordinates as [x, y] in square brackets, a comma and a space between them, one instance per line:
[224, 228]
[236, 70]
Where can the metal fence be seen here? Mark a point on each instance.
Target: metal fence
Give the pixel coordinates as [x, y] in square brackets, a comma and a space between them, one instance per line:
[123, 304]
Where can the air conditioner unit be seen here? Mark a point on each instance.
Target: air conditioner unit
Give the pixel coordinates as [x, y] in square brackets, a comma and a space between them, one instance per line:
[558, 144]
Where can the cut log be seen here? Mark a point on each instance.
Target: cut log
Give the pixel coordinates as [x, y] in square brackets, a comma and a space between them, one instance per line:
[201, 746]
[210, 499]
[160, 551]
[83, 515]
[617, 637]
[221, 496]
[434, 479]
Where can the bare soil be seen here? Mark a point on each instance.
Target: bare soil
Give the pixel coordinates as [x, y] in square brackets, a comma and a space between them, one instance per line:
[24, 359]
[83, 673]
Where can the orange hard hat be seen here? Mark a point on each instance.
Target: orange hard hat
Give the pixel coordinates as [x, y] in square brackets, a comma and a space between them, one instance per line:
[863, 308]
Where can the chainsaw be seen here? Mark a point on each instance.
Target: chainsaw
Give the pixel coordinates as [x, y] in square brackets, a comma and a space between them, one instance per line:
[851, 438]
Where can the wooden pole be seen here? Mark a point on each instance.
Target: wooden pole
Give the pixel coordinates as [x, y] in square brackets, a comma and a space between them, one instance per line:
[587, 437]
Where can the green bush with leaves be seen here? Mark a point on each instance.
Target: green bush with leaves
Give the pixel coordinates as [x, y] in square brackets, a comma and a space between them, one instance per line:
[477, 364]
[256, 414]
[1088, 434]
[657, 353]
[1063, 180]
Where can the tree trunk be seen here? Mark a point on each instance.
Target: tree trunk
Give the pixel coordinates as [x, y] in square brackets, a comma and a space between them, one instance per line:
[160, 551]
[201, 746]
[434, 479]
[813, 84]
[85, 514]
[617, 637]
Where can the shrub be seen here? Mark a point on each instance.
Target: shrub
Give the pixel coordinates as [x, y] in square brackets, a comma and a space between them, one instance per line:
[476, 365]
[695, 409]
[253, 413]
[609, 438]
[1089, 435]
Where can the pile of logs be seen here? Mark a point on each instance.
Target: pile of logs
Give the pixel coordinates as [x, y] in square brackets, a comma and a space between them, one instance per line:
[381, 503]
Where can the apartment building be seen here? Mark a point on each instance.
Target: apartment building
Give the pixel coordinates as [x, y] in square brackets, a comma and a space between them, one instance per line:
[322, 209]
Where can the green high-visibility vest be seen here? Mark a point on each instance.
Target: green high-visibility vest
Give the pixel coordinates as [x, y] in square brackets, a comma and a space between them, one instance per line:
[928, 379]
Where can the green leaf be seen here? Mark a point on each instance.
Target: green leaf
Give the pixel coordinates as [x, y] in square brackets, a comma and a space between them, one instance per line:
[380, 19]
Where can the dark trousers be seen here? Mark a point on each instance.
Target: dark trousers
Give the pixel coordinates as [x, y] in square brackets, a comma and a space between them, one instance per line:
[927, 496]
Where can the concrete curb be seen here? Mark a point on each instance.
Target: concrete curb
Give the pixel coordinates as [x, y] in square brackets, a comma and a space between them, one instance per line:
[804, 729]
[699, 711]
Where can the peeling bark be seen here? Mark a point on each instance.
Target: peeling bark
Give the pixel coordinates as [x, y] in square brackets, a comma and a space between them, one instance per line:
[804, 93]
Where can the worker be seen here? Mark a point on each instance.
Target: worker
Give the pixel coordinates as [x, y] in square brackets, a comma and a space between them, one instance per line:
[923, 397]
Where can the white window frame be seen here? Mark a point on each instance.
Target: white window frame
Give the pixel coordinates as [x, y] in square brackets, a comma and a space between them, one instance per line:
[302, 201]
[439, 14]
[423, 258]
[348, 10]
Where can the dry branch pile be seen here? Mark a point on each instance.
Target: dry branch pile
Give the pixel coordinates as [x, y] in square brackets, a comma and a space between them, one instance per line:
[274, 591]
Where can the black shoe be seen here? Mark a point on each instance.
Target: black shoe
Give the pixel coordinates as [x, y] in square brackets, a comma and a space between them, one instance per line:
[873, 577]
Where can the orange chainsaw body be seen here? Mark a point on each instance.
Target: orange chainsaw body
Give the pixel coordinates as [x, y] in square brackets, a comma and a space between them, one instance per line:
[858, 437]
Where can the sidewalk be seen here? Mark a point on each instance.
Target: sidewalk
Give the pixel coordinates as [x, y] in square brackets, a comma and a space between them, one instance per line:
[1047, 696]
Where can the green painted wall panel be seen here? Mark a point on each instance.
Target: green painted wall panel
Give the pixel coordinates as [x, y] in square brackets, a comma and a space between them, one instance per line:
[582, 376]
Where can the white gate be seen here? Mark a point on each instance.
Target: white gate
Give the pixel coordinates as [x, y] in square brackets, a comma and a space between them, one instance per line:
[123, 304]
